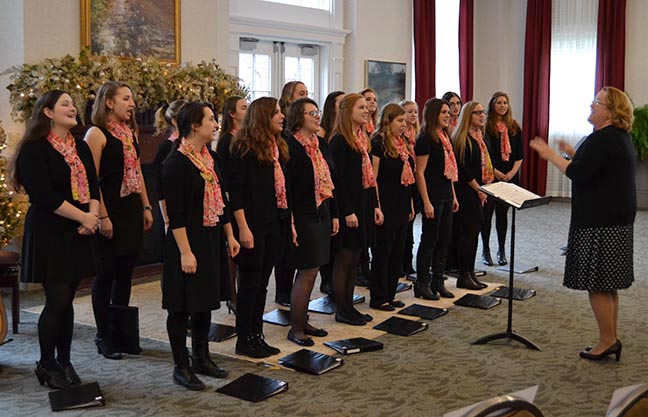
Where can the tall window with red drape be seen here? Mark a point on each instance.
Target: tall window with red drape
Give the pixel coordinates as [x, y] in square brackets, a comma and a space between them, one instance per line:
[610, 44]
[466, 80]
[424, 50]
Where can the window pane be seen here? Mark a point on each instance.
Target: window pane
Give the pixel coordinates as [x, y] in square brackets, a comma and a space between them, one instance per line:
[447, 50]
[262, 74]
[291, 69]
[245, 69]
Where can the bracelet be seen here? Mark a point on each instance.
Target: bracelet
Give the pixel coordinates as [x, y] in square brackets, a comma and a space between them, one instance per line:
[101, 218]
[149, 208]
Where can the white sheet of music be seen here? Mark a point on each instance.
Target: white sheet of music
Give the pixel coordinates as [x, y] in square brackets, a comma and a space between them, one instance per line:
[527, 394]
[511, 193]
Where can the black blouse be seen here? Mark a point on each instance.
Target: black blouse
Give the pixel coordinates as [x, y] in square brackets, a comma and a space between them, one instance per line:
[395, 198]
[111, 169]
[439, 187]
[603, 180]
[470, 168]
[301, 191]
[225, 157]
[494, 145]
[348, 177]
[164, 150]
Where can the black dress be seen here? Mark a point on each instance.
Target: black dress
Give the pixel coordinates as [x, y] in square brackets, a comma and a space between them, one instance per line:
[163, 152]
[225, 157]
[351, 196]
[494, 144]
[313, 224]
[53, 250]
[184, 189]
[125, 213]
[469, 167]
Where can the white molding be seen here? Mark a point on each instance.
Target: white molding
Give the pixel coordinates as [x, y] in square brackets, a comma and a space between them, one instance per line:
[278, 31]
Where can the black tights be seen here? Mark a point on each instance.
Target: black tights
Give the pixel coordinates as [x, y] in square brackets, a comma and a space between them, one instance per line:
[345, 268]
[299, 298]
[177, 330]
[501, 223]
[467, 249]
[112, 285]
[56, 323]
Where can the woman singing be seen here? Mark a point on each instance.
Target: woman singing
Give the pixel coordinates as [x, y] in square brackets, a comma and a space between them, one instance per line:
[411, 133]
[600, 255]
[258, 198]
[504, 141]
[195, 261]
[58, 247]
[355, 187]
[311, 189]
[393, 167]
[124, 209]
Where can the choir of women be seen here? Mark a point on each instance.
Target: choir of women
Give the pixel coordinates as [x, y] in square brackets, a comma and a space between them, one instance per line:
[339, 183]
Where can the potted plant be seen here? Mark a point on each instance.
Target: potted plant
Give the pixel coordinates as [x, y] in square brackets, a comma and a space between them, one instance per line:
[639, 134]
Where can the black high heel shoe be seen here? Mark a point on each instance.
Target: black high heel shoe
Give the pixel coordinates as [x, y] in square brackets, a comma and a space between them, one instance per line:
[107, 350]
[486, 258]
[615, 349]
[54, 378]
[71, 377]
[501, 258]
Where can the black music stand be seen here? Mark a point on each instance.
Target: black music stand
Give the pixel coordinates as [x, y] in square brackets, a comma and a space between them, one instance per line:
[518, 198]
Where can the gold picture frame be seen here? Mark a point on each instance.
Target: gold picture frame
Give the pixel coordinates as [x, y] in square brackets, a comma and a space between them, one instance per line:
[132, 29]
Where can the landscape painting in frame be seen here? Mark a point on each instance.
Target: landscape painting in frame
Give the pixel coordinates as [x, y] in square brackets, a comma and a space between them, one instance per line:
[132, 28]
[387, 79]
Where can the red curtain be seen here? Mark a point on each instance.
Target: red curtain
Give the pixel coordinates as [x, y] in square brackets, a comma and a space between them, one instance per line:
[424, 50]
[466, 81]
[610, 44]
[537, 63]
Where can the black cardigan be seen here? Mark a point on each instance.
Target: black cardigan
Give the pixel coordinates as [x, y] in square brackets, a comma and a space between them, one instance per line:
[603, 180]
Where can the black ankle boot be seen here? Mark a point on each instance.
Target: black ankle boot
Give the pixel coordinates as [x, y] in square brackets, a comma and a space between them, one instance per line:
[465, 281]
[473, 277]
[107, 349]
[201, 361]
[437, 281]
[422, 290]
[501, 257]
[70, 374]
[260, 339]
[248, 346]
[52, 376]
[487, 259]
[187, 378]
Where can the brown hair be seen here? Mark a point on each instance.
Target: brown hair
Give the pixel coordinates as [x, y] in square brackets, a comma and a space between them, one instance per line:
[620, 107]
[295, 117]
[493, 117]
[329, 113]
[255, 133]
[286, 95]
[460, 135]
[431, 112]
[99, 109]
[344, 121]
[374, 115]
[389, 113]
[229, 106]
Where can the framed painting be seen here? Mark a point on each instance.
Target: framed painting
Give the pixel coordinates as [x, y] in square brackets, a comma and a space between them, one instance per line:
[132, 28]
[387, 79]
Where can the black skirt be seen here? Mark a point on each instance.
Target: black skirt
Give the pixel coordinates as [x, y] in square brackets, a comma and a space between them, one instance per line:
[127, 217]
[364, 235]
[314, 240]
[600, 258]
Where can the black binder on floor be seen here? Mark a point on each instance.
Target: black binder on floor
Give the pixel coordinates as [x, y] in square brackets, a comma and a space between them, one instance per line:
[478, 301]
[82, 396]
[278, 316]
[424, 312]
[401, 327]
[519, 294]
[219, 332]
[125, 329]
[311, 362]
[354, 345]
[254, 388]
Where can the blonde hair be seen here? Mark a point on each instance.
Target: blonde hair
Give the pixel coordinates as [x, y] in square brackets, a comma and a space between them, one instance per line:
[620, 107]
[100, 111]
[417, 126]
[344, 121]
[164, 116]
[286, 95]
[461, 133]
[389, 113]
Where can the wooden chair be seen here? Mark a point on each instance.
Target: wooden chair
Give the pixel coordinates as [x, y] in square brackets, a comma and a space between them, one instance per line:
[9, 279]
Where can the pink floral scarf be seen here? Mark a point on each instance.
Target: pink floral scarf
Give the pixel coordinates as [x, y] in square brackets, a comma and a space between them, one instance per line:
[368, 179]
[450, 162]
[505, 143]
[407, 175]
[279, 179]
[486, 165]
[78, 175]
[321, 173]
[132, 178]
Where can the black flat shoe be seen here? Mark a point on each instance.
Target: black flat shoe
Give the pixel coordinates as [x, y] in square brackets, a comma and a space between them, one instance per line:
[365, 317]
[54, 377]
[313, 331]
[107, 350]
[306, 341]
[615, 349]
[353, 321]
[188, 379]
[247, 346]
[473, 277]
[383, 307]
[205, 366]
[501, 258]
[70, 374]
[260, 339]
[397, 303]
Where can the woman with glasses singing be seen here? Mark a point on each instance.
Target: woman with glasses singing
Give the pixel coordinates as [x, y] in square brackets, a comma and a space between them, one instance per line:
[310, 190]
[475, 169]
[504, 140]
[604, 205]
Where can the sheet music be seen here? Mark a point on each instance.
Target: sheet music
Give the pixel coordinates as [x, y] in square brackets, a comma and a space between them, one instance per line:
[511, 193]
[527, 394]
[619, 396]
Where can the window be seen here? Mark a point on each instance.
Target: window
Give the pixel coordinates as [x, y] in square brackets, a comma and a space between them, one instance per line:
[447, 46]
[573, 68]
[255, 71]
[313, 4]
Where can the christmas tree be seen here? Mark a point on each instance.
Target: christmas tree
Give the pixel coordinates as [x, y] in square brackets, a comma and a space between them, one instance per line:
[11, 211]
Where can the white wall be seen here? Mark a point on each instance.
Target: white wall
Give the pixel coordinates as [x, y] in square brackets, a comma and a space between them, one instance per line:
[380, 30]
[636, 70]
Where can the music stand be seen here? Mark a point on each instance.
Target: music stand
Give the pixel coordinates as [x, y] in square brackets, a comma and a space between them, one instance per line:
[519, 199]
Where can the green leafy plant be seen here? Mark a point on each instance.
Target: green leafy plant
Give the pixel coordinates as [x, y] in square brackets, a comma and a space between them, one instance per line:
[639, 132]
[12, 210]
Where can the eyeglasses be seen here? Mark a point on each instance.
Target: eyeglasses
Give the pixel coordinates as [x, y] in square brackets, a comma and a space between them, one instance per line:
[314, 113]
[598, 102]
[479, 112]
